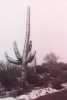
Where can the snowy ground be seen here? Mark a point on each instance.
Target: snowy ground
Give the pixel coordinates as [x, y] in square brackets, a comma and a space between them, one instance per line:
[64, 85]
[33, 94]
[8, 98]
[36, 93]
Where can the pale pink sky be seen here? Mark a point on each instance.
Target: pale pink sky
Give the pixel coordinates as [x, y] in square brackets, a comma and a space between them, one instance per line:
[48, 26]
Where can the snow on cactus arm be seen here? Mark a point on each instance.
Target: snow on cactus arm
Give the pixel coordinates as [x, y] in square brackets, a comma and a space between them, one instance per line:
[31, 57]
[11, 60]
[16, 51]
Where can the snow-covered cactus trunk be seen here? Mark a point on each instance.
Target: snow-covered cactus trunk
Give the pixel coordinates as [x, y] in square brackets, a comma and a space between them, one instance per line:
[27, 40]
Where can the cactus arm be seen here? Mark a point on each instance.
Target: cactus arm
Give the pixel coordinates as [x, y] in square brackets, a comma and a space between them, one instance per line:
[11, 60]
[29, 47]
[16, 51]
[31, 57]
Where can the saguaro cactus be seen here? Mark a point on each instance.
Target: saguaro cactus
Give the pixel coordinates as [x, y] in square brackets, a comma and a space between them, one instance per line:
[27, 56]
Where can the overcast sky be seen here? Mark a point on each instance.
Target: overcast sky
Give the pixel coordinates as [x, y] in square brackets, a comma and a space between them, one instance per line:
[48, 26]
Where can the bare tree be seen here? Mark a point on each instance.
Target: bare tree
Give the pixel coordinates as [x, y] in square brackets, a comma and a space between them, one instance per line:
[51, 58]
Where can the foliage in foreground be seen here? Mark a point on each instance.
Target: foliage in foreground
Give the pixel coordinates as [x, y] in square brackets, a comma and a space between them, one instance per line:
[47, 74]
[10, 75]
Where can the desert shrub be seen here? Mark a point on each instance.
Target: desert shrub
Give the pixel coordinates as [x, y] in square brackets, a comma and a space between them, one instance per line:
[54, 74]
[9, 75]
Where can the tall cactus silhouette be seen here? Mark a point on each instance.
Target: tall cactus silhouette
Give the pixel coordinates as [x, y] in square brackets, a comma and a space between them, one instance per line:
[27, 56]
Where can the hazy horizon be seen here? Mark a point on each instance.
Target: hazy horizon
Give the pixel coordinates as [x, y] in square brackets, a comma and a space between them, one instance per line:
[48, 27]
